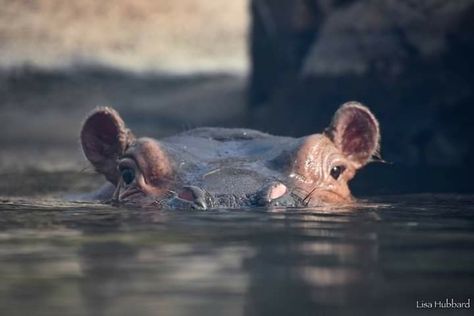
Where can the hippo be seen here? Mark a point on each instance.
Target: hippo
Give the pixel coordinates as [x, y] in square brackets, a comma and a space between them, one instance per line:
[208, 168]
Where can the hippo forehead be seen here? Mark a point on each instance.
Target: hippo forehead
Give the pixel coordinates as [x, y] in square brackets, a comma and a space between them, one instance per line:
[222, 160]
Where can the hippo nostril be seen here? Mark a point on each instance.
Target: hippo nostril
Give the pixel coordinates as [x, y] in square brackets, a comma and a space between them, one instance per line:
[194, 195]
[271, 192]
[186, 195]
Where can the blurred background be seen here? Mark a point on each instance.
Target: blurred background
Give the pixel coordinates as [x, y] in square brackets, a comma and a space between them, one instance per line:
[281, 66]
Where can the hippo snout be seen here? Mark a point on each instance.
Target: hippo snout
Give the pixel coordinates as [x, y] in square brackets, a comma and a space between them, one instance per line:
[273, 194]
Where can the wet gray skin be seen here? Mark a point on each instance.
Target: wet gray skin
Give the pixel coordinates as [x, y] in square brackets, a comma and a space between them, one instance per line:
[230, 168]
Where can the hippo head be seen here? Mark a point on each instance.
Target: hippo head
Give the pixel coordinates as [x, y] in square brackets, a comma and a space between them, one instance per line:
[216, 167]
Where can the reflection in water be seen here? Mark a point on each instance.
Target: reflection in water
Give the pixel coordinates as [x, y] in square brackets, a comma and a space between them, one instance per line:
[61, 258]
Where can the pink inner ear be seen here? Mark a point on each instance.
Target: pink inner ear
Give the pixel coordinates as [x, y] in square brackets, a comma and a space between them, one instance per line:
[100, 137]
[104, 138]
[106, 130]
[359, 135]
[354, 130]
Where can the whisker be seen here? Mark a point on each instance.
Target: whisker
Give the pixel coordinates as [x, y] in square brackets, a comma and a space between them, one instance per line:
[157, 202]
[211, 172]
[309, 194]
[171, 192]
[300, 192]
[87, 168]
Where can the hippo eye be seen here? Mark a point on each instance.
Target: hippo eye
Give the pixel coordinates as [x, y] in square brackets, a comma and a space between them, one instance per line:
[336, 171]
[128, 175]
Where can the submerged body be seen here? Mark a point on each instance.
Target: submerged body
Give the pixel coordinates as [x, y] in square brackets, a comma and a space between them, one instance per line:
[216, 167]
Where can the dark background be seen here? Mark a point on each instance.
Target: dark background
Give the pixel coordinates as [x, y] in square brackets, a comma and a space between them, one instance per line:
[411, 62]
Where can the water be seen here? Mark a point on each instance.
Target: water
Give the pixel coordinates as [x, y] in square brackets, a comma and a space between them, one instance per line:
[64, 258]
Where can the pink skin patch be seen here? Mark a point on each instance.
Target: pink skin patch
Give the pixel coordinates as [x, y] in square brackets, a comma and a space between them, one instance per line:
[186, 195]
[277, 191]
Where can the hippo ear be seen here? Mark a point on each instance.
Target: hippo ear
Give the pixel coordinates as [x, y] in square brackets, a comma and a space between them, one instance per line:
[355, 131]
[104, 139]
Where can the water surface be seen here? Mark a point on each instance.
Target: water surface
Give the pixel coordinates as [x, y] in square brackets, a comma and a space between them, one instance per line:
[69, 258]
